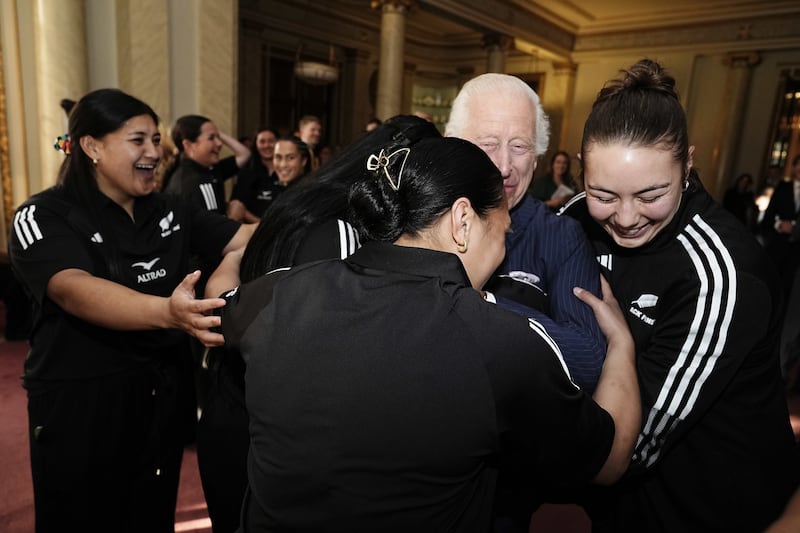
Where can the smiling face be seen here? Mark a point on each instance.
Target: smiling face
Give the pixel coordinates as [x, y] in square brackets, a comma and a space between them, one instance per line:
[126, 159]
[633, 192]
[310, 132]
[205, 149]
[265, 144]
[505, 129]
[288, 162]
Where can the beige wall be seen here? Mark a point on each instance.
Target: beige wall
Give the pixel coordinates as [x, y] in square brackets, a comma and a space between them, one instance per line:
[701, 81]
[179, 56]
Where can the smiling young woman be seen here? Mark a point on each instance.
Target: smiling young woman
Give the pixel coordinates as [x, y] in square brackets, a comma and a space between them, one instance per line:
[715, 451]
[105, 262]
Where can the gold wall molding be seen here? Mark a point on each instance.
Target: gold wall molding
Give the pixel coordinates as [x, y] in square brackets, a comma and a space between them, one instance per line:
[5, 162]
[758, 33]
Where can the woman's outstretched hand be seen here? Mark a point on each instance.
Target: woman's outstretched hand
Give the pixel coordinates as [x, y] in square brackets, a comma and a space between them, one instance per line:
[193, 315]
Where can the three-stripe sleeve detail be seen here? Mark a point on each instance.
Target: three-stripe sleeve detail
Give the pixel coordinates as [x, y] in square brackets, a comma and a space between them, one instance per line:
[207, 190]
[26, 228]
[348, 239]
[704, 342]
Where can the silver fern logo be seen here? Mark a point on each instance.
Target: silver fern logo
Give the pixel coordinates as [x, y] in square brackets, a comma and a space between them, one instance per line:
[645, 300]
[166, 225]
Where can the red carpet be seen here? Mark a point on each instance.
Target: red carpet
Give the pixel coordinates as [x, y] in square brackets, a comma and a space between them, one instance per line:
[16, 493]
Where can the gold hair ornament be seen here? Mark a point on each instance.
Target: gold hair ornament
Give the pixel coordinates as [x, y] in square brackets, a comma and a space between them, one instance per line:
[382, 161]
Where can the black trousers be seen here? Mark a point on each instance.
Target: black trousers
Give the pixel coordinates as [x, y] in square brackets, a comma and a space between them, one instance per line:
[106, 453]
[223, 441]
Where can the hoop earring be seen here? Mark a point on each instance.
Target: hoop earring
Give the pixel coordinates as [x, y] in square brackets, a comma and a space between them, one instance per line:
[685, 185]
[462, 247]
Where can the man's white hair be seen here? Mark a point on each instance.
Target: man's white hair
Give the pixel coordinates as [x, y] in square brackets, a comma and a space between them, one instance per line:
[510, 87]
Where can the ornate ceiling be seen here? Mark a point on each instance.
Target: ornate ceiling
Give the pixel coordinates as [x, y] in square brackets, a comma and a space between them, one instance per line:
[558, 30]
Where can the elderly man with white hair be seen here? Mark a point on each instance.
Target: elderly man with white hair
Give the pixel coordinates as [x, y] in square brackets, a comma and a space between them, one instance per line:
[546, 255]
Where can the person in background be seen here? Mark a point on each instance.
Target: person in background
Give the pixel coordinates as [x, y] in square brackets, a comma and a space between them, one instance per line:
[781, 233]
[469, 387]
[741, 201]
[198, 172]
[104, 260]
[309, 130]
[715, 451]
[558, 185]
[372, 124]
[780, 225]
[292, 160]
[325, 154]
[256, 185]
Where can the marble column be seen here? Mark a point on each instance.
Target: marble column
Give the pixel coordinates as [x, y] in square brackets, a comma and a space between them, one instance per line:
[203, 59]
[728, 134]
[61, 71]
[142, 54]
[390, 68]
[497, 46]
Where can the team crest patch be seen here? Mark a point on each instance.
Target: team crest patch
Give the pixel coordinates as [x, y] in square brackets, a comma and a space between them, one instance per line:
[645, 301]
[166, 225]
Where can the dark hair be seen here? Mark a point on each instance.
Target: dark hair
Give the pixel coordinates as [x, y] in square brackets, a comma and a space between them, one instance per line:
[642, 108]
[321, 195]
[411, 191]
[567, 178]
[97, 114]
[67, 104]
[302, 148]
[187, 127]
[255, 157]
[262, 129]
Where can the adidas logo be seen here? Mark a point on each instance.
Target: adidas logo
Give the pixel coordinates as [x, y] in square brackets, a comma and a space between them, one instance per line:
[605, 261]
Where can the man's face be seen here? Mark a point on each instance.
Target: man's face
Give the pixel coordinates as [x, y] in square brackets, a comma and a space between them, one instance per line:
[505, 129]
[310, 133]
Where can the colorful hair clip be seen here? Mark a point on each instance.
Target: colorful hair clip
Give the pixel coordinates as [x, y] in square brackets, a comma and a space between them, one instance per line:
[63, 144]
